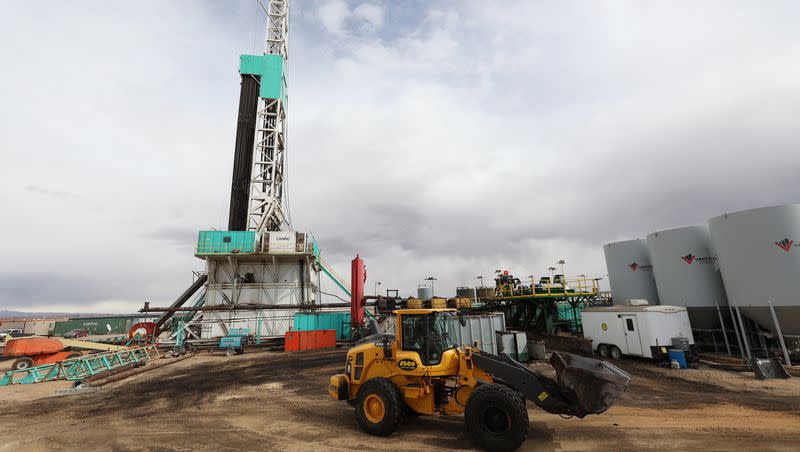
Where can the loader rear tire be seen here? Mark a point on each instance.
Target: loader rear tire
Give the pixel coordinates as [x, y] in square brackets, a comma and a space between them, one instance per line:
[496, 418]
[379, 409]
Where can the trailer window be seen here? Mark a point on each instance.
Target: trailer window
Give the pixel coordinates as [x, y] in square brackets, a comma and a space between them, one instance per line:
[630, 324]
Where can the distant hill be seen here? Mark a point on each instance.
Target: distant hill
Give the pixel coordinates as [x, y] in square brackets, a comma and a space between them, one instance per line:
[6, 314]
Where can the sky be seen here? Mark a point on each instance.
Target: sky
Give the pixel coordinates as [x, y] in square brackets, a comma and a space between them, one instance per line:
[444, 139]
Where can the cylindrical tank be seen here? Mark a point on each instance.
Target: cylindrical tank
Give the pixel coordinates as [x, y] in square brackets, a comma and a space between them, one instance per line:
[425, 293]
[630, 272]
[759, 257]
[687, 274]
[465, 292]
[485, 292]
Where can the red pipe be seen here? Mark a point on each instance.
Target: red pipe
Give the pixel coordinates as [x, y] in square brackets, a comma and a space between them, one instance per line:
[358, 276]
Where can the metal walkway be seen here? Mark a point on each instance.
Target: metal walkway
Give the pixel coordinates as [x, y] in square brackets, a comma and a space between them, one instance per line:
[80, 368]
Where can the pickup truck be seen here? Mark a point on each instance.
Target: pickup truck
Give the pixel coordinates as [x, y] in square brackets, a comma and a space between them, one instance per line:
[9, 333]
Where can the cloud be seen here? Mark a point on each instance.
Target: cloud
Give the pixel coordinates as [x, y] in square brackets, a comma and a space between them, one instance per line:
[488, 146]
[371, 14]
[445, 139]
[177, 235]
[48, 192]
[332, 15]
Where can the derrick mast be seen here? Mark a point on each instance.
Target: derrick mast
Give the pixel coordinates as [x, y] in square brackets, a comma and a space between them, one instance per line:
[257, 190]
[266, 206]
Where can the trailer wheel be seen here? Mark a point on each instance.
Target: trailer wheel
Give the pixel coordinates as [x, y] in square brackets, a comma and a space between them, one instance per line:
[603, 351]
[616, 353]
[378, 407]
[496, 418]
[22, 364]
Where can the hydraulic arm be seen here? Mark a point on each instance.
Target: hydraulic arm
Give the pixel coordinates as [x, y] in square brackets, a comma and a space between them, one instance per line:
[582, 385]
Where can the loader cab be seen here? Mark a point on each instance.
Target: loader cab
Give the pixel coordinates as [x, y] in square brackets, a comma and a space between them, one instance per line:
[425, 332]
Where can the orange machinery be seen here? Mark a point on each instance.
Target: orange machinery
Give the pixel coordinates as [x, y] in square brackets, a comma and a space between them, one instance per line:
[309, 340]
[37, 351]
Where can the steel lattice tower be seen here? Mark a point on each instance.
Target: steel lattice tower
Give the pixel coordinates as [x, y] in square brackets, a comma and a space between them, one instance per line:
[266, 210]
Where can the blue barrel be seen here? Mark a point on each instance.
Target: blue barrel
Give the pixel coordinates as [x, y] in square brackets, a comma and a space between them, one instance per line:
[679, 356]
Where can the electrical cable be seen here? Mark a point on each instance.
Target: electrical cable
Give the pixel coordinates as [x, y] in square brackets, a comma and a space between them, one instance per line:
[333, 295]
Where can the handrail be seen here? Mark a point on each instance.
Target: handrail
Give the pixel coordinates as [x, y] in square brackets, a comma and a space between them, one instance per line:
[335, 277]
[579, 286]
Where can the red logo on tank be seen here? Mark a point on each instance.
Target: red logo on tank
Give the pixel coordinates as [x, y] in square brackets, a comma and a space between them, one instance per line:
[633, 266]
[785, 244]
[689, 258]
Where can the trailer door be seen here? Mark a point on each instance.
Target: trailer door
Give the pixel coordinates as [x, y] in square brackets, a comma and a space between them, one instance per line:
[632, 339]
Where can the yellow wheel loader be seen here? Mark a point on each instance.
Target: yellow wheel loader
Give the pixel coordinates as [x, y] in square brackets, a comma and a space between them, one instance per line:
[419, 370]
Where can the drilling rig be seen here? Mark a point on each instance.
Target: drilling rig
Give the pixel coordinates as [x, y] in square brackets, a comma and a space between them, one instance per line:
[260, 271]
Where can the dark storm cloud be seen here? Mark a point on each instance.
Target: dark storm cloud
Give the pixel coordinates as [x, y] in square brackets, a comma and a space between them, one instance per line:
[23, 290]
[433, 138]
[175, 235]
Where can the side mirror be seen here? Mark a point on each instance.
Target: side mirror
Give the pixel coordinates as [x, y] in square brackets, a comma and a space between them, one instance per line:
[461, 319]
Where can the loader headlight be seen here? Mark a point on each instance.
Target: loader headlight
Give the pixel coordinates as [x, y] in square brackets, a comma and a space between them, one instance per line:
[347, 369]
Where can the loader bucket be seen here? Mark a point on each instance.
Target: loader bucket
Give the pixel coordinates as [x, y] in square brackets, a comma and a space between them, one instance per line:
[592, 386]
[768, 368]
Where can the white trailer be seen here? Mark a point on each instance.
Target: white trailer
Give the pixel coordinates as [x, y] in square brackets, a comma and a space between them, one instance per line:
[645, 331]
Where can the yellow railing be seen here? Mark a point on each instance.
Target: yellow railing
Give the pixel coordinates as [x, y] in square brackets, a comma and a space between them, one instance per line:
[570, 287]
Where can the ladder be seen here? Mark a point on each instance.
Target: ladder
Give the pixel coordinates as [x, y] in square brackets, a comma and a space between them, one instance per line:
[80, 368]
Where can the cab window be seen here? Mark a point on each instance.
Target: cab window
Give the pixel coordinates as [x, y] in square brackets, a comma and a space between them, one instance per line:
[359, 366]
[426, 334]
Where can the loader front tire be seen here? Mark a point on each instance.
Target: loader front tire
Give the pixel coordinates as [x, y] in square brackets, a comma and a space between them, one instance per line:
[496, 418]
[379, 410]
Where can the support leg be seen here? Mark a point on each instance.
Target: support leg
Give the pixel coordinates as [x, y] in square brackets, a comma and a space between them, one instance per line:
[724, 333]
[780, 334]
[714, 339]
[744, 333]
[736, 330]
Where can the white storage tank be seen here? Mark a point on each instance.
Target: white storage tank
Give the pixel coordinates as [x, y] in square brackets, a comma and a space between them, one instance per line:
[687, 274]
[630, 272]
[759, 257]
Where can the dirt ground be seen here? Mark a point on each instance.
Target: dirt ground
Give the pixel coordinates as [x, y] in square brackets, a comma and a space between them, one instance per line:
[277, 401]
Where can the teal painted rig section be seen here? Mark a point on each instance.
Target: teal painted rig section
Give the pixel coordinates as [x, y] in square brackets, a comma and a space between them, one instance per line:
[270, 69]
[80, 368]
[334, 320]
[226, 242]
